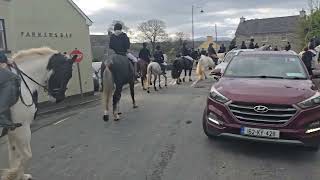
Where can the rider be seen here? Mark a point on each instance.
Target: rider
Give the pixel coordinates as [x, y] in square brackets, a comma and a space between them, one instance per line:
[185, 51]
[159, 58]
[145, 53]
[9, 90]
[212, 53]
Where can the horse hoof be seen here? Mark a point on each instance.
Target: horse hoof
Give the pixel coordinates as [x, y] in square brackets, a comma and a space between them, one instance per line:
[116, 119]
[144, 89]
[27, 177]
[160, 87]
[119, 113]
[148, 91]
[190, 80]
[106, 118]
[135, 106]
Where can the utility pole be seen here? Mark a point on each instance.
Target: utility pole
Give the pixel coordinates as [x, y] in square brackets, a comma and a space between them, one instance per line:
[192, 27]
[215, 27]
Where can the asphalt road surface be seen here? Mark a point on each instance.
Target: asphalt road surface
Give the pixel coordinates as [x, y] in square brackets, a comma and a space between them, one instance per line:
[162, 140]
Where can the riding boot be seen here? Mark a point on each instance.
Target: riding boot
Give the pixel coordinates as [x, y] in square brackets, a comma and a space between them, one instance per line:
[6, 123]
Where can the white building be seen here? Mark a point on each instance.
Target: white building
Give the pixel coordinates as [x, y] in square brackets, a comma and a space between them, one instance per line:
[58, 24]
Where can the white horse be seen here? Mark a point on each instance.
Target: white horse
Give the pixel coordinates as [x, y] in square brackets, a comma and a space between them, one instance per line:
[38, 68]
[204, 63]
[154, 69]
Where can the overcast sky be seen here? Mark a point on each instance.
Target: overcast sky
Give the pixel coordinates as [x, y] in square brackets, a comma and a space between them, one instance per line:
[177, 13]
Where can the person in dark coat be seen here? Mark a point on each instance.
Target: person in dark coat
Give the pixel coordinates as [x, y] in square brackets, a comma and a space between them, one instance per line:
[203, 51]
[185, 51]
[251, 45]
[9, 90]
[119, 41]
[212, 53]
[144, 56]
[288, 47]
[121, 67]
[307, 57]
[222, 49]
[256, 46]
[144, 53]
[194, 54]
[243, 45]
[159, 58]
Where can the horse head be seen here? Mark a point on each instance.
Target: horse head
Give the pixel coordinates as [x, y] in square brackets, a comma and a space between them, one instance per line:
[60, 73]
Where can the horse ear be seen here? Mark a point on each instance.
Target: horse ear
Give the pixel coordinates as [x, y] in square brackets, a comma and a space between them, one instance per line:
[74, 58]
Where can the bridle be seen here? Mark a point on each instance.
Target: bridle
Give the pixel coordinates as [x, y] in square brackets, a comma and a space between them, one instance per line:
[22, 75]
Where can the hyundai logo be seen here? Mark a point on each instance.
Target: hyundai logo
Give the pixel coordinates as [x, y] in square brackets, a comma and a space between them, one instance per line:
[261, 109]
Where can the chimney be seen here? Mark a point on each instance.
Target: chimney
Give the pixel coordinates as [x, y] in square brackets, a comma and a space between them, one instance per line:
[302, 13]
[242, 19]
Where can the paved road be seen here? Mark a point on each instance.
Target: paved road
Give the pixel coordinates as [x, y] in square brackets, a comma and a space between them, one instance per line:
[162, 140]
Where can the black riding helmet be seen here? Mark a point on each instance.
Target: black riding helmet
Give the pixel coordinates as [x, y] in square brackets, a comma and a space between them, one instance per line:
[3, 58]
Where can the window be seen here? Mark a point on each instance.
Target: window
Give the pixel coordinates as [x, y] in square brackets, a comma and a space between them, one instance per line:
[284, 37]
[3, 42]
[265, 39]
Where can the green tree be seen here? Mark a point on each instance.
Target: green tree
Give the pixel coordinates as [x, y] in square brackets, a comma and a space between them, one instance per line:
[310, 27]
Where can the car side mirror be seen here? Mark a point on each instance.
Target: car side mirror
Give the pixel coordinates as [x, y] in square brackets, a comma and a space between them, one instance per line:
[216, 72]
[316, 74]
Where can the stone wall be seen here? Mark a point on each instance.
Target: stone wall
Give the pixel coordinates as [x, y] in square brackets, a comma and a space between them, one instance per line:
[273, 40]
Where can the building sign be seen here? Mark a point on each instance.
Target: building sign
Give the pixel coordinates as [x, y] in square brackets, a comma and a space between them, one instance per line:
[46, 35]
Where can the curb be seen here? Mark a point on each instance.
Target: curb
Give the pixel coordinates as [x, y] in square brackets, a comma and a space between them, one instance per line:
[72, 105]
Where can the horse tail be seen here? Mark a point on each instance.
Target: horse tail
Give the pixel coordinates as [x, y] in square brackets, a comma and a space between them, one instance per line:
[200, 69]
[107, 88]
[9, 174]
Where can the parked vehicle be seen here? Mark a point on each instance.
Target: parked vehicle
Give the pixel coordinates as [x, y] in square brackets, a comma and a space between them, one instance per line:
[265, 96]
[225, 61]
[96, 76]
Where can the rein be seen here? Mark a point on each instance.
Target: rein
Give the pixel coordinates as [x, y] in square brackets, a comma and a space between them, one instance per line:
[22, 74]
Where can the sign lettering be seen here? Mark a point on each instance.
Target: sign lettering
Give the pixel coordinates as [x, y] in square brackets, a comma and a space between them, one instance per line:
[61, 35]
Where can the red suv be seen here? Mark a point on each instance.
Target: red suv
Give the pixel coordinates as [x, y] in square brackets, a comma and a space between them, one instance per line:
[265, 96]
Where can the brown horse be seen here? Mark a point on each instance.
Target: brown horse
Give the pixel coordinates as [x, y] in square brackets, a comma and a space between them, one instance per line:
[143, 65]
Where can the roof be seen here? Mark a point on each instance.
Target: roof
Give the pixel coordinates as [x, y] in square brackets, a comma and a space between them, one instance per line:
[270, 25]
[281, 53]
[76, 7]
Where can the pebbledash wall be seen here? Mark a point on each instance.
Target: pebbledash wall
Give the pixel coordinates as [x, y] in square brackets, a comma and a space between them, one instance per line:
[58, 24]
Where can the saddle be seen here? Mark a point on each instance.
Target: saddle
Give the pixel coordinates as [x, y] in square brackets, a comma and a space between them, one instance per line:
[10, 93]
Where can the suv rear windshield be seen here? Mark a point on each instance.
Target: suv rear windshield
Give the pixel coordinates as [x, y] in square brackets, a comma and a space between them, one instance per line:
[266, 66]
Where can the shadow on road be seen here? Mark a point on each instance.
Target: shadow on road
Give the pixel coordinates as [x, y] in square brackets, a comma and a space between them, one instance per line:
[264, 150]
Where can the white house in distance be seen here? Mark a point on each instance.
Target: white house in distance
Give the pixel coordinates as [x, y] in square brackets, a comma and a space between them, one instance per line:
[58, 24]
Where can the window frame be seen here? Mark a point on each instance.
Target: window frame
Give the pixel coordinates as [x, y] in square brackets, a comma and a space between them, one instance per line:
[284, 35]
[265, 38]
[2, 21]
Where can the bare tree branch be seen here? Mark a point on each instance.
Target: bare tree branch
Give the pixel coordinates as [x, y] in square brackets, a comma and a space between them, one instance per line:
[153, 31]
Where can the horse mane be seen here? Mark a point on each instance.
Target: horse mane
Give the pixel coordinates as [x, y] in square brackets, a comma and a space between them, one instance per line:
[43, 51]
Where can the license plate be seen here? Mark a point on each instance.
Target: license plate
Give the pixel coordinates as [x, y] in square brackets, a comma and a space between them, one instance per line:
[265, 133]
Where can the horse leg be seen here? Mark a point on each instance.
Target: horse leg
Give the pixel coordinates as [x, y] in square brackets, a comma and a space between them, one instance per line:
[165, 80]
[132, 95]
[154, 82]
[160, 82]
[116, 100]
[185, 75]
[19, 153]
[190, 73]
